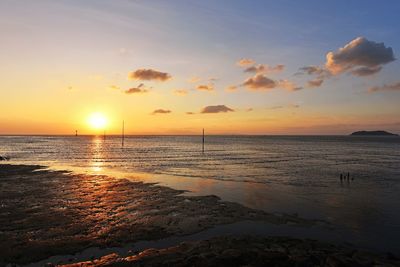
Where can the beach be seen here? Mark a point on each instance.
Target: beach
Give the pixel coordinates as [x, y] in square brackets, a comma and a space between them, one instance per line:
[49, 216]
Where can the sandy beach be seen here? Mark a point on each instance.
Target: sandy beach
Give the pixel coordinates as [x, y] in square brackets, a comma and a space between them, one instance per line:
[53, 213]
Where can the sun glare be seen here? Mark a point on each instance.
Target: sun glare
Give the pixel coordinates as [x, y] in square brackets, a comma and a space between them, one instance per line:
[97, 121]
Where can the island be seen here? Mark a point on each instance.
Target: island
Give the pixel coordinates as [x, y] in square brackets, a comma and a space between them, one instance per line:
[374, 133]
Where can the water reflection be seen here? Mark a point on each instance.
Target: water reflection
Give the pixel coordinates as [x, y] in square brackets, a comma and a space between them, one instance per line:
[97, 154]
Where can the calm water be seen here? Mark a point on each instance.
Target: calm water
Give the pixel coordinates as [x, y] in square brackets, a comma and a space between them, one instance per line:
[285, 174]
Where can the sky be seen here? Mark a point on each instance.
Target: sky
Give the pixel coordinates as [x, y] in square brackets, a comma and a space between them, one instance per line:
[175, 67]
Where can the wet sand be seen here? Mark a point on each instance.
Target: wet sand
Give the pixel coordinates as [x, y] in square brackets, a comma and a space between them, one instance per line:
[45, 213]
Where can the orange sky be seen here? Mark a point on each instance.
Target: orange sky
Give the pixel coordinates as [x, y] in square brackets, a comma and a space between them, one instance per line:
[242, 70]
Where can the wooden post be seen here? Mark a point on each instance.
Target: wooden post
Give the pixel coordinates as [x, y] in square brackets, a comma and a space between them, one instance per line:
[76, 132]
[203, 141]
[123, 132]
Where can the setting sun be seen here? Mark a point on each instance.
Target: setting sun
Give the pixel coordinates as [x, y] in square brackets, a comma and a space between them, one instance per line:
[97, 121]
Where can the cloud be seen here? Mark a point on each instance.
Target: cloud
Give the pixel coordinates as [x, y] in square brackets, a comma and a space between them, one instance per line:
[264, 69]
[181, 92]
[190, 113]
[161, 111]
[134, 90]
[216, 109]
[231, 88]
[259, 82]
[310, 70]
[249, 109]
[245, 62]
[315, 83]
[204, 87]
[365, 71]
[385, 87]
[360, 57]
[149, 75]
[288, 85]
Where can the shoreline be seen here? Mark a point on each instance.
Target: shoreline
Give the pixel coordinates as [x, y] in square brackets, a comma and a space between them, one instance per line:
[47, 213]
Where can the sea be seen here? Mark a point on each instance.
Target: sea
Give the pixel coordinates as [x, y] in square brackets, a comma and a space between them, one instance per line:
[297, 175]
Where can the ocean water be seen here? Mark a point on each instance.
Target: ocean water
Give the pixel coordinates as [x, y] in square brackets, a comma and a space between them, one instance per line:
[281, 174]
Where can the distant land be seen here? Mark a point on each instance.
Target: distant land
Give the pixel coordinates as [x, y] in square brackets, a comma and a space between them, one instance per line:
[375, 133]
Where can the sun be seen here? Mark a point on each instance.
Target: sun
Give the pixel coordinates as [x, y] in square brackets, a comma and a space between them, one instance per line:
[97, 120]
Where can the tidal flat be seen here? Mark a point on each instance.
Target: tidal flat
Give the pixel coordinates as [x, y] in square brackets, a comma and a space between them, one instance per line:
[44, 213]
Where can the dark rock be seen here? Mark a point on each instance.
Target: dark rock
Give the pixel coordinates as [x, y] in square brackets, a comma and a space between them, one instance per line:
[374, 133]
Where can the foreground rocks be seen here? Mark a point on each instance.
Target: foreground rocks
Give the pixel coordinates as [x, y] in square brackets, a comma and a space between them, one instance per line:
[4, 158]
[248, 251]
[45, 213]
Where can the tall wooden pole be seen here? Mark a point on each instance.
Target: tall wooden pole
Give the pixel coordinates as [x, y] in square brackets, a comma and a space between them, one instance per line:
[123, 132]
[203, 141]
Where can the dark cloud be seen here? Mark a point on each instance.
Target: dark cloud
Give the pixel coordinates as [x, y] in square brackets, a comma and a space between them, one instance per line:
[161, 111]
[216, 109]
[249, 109]
[134, 90]
[366, 71]
[310, 70]
[148, 75]
[259, 82]
[245, 62]
[315, 83]
[264, 69]
[359, 57]
[205, 87]
[385, 87]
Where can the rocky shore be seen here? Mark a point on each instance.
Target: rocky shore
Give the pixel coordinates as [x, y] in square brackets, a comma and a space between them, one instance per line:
[248, 251]
[45, 213]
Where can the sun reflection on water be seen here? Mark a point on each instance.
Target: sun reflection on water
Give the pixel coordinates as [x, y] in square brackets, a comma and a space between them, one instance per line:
[97, 159]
